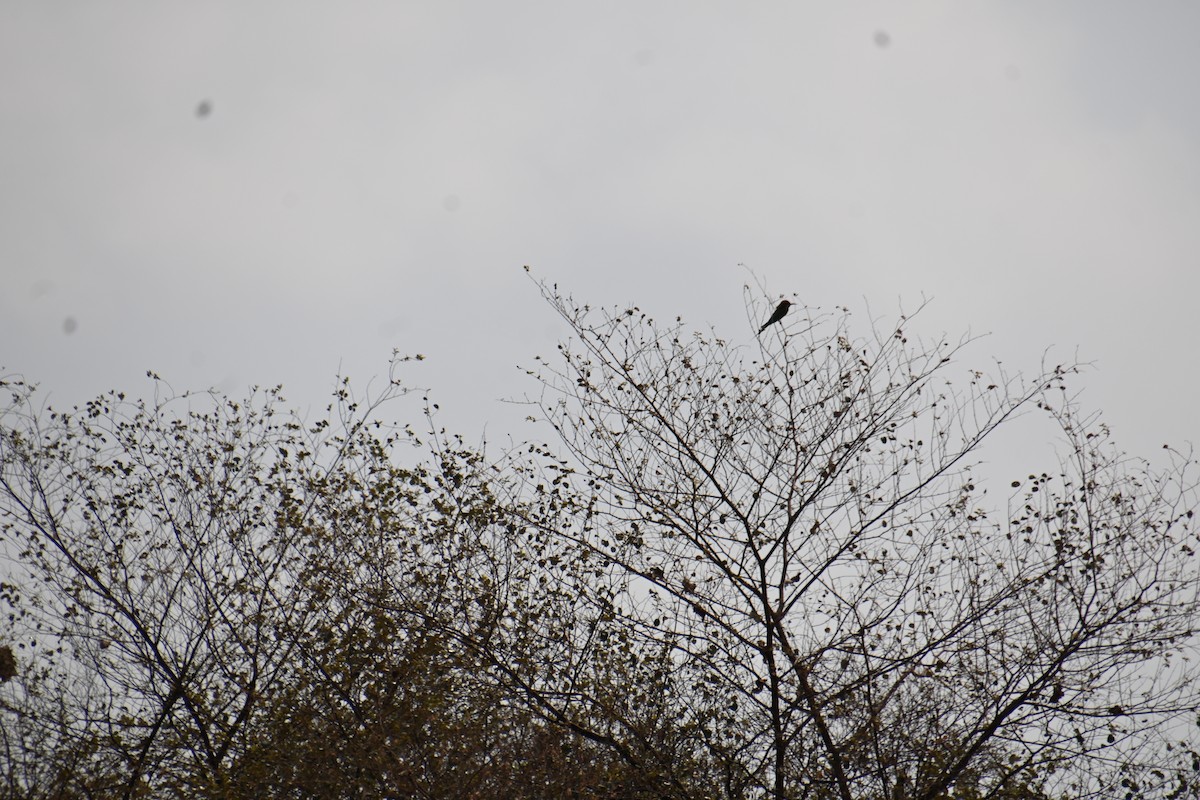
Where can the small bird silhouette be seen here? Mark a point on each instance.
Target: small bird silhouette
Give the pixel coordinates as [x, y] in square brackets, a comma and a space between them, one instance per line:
[780, 311]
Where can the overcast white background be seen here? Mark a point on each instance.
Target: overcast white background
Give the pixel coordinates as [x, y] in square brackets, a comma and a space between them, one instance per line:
[254, 193]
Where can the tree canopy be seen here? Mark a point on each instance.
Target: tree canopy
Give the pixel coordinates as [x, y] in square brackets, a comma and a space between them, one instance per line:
[770, 568]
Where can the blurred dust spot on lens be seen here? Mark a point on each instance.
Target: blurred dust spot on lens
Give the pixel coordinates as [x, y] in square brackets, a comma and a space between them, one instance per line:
[204, 108]
[69, 325]
[882, 39]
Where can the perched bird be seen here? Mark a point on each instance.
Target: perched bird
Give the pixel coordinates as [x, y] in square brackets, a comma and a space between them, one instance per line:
[780, 311]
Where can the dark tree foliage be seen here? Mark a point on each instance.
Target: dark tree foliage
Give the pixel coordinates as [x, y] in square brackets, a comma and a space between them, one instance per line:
[210, 598]
[741, 571]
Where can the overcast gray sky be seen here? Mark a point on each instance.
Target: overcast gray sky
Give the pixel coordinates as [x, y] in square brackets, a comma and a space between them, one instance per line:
[238, 193]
